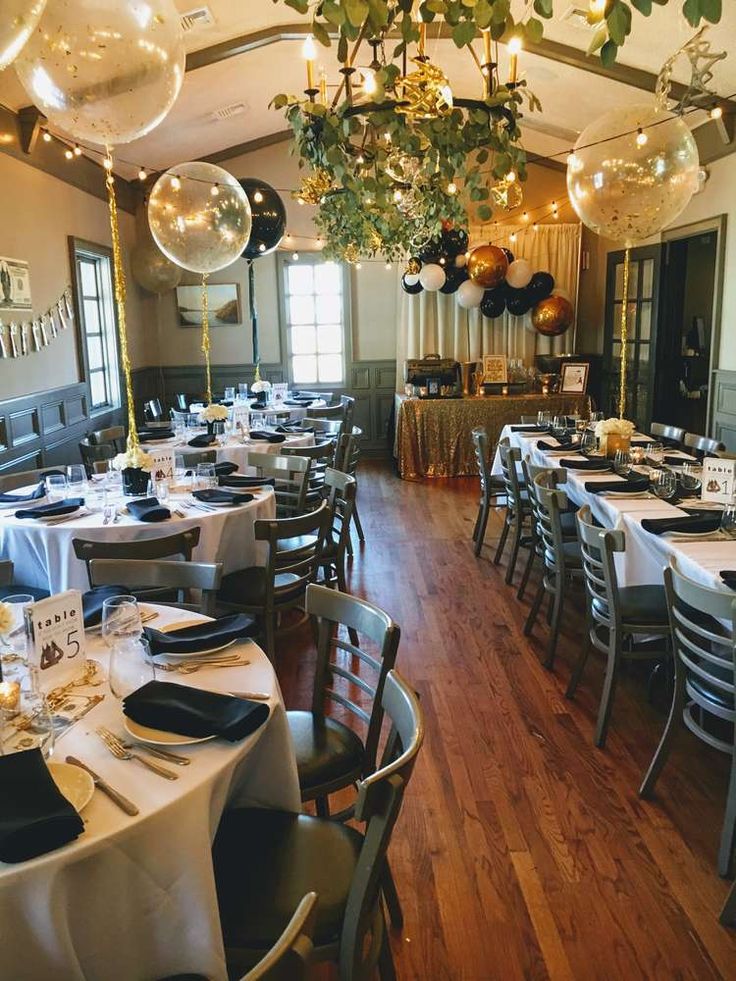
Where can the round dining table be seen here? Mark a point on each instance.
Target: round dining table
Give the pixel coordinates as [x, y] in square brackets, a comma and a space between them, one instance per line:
[133, 898]
[43, 556]
[296, 411]
[233, 449]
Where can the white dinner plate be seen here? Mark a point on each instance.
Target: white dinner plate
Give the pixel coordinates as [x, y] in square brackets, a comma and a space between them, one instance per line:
[157, 442]
[158, 737]
[180, 624]
[219, 504]
[74, 783]
[586, 470]
[17, 505]
[53, 519]
[634, 495]
[717, 535]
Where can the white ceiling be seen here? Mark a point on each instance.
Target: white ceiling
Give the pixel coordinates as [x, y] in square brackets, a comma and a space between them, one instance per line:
[571, 98]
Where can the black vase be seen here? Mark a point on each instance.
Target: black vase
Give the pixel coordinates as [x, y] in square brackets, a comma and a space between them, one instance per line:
[216, 428]
[135, 481]
[262, 398]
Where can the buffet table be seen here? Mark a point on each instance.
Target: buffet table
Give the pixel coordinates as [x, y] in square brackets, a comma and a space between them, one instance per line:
[433, 435]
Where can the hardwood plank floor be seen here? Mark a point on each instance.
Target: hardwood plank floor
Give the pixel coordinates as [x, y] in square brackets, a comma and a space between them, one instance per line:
[522, 851]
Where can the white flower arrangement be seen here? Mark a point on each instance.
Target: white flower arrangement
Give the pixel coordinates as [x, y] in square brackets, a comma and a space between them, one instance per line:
[260, 386]
[613, 426]
[133, 459]
[215, 413]
[6, 619]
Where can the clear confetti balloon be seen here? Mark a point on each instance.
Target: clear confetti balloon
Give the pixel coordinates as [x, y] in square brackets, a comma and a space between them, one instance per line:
[631, 186]
[199, 216]
[152, 270]
[104, 71]
[18, 20]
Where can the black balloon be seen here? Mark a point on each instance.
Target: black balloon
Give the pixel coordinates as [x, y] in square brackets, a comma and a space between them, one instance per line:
[413, 290]
[453, 278]
[519, 302]
[454, 241]
[493, 303]
[509, 255]
[540, 286]
[268, 217]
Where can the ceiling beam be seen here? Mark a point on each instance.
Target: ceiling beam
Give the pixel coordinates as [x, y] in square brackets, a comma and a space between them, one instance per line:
[249, 146]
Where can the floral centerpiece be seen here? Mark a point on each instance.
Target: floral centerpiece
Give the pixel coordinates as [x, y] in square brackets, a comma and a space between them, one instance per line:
[135, 466]
[214, 416]
[614, 434]
[261, 388]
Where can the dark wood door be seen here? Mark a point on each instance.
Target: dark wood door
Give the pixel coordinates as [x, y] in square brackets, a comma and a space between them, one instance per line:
[642, 310]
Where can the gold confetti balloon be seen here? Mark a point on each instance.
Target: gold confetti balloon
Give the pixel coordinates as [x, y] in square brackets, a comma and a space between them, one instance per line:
[487, 266]
[553, 316]
[104, 71]
[632, 172]
[18, 19]
[198, 230]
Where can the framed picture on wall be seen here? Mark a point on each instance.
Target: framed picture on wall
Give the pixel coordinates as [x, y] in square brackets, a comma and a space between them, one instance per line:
[574, 379]
[15, 284]
[223, 300]
[495, 368]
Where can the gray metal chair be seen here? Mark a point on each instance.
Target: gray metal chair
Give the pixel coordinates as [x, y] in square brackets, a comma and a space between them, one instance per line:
[669, 435]
[616, 616]
[92, 454]
[141, 576]
[518, 511]
[705, 684]
[9, 588]
[561, 557]
[492, 489]
[268, 591]
[728, 913]
[348, 404]
[112, 434]
[330, 427]
[567, 518]
[702, 446]
[326, 412]
[320, 456]
[6, 572]
[347, 457]
[291, 955]
[191, 459]
[144, 549]
[26, 478]
[265, 860]
[291, 476]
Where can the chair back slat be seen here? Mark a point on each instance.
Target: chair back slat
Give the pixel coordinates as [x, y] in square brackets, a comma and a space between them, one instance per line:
[510, 456]
[26, 478]
[146, 575]
[291, 477]
[290, 570]
[702, 446]
[290, 957]
[92, 454]
[671, 435]
[167, 547]
[598, 547]
[320, 457]
[6, 572]
[550, 503]
[483, 456]
[112, 434]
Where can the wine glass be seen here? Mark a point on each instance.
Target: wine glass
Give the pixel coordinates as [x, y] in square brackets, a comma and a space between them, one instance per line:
[16, 640]
[206, 476]
[655, 453]
[56, 486]
[664, 484]
[230, 394]
[76, 478]
[131, 666]
[690, 478]
[121, 620]
[588, 441]
[543, 418]
[28, 724]
[622, 462]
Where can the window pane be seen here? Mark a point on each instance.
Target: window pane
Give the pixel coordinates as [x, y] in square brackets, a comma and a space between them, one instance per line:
[330, 368]
[305, 369]
[329, 339]
[327, 278]
[97, 386]
[301, 310]
[633, 279]
[301, 279]
[329, 308]
[645, 320]
[647, 277]
[643, 354]
[94, 352]
[303, 340]
[92, 317]
[89, 280]
[617, 319]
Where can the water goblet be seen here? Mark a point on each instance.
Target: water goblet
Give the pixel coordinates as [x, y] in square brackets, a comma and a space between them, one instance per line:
[206, 476]
[664, 484]
[588, 441]
[121, 620]
[655, 454]
[543, 418]
[16, 639]
[230, 394]
[622, 462]
[131, 666]
[56, 486]
[76, 478]
[690, 478]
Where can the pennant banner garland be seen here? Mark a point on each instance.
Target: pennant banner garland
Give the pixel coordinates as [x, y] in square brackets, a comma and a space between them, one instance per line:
[17, 339]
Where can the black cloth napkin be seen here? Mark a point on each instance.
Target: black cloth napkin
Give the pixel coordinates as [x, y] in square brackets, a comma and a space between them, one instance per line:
[729, 577]
[214, 496]
[268, 437]
[36, 494]
[228, 403]
[35, 817]
[236, 480]
[193, 712]
[677, 461]
[147, 435]
[693, 524]
[531, 430]
[303, 403]
[580, 463]
[93, 601]
[201, 636]
[148, 509]
[67, 506]
[634, 485]
[204, 439]
[551, 448]
[225, 469]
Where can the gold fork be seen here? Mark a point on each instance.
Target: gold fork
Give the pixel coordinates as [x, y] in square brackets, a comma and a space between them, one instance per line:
[118, 750]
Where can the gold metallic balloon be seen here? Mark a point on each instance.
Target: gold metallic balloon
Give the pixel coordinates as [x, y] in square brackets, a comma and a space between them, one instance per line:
[197, 229]
[631, 186]
[487, 266]
[152, 270]
[104, 71]
[552, 316]
[18, 19]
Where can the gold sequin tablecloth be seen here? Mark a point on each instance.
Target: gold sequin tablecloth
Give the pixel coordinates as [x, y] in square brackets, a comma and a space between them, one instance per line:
[433, 435]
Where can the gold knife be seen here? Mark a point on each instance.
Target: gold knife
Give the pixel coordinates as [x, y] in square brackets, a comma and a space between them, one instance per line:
[123, 803]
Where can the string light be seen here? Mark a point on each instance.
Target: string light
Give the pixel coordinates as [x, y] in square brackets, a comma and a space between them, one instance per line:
[525, 216]
[358, 265]
[295, 256]
[510, 177]
[47, 137]
[535, 227]
[142, 174]
[258, 197]
[716, 112]
[397, 195]
[288, 236]
[175, 183]
[77, 151]
[369, 81]
[512, 237]
[641, 137]
[107, 163]
[215, 190]
[388, 265]
[261, 246]
[452, 188]
[68, 154]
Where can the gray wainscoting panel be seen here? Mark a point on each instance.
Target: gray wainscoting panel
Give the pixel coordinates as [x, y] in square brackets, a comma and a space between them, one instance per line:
[724, 408]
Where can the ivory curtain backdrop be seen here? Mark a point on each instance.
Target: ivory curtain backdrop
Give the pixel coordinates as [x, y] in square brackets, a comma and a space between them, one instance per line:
[432, 323]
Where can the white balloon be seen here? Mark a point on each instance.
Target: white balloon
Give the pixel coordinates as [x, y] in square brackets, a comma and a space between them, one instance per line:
[519, 274]
[460, 260]
[411, 279]
[469, 294]
[432, 277]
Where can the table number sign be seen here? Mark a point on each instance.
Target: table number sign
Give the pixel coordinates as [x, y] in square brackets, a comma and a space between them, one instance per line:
[163, 463]
[719, 480]
[58, 639]
[241, 416]
[279, 391]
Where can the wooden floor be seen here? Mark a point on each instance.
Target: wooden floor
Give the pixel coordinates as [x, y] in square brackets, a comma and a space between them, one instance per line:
[522, 851]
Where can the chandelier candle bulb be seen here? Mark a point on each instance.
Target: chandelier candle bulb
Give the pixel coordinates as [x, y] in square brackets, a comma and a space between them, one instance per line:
[309, 53]
[514, 49]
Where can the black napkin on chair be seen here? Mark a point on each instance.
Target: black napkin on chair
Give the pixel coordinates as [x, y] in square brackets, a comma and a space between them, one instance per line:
[225, 469]
[204, 439]
[212, 495]
[630, 485]
[693, 524]
[236, 480]
[581, 463]
[35, 817]
[729, 577]
[94, 599]
[193, 712]
[67, 506]
[146, 435]
[201, 636]
[148, 509]
[261, 434]
[36, 494]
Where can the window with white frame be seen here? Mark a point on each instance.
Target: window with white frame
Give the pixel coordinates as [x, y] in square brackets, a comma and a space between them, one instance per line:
[315, 321]
[98, 329]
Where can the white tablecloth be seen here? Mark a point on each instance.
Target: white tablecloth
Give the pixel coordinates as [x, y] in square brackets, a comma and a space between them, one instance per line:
[234, 450]
[646, 555]
[43, 556]
[133, 898]
[296, 412]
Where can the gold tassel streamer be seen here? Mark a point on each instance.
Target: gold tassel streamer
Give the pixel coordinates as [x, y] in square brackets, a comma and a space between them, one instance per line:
[120, 296]
[624, 336]
[206, 337]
